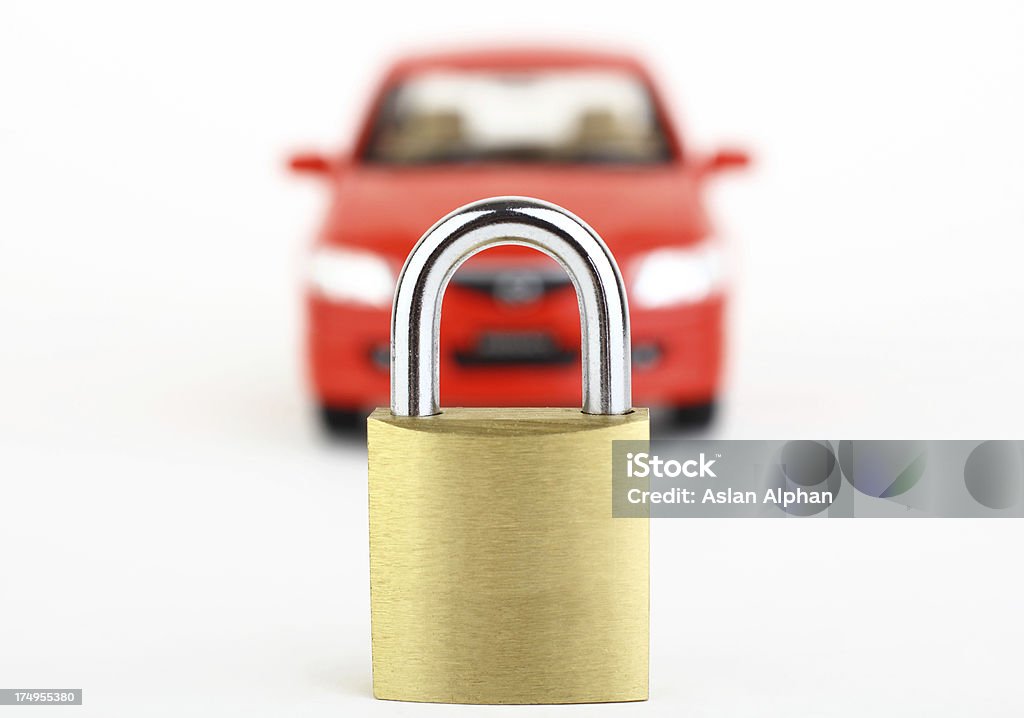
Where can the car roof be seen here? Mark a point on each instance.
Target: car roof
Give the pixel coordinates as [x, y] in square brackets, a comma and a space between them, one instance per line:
[515, 59]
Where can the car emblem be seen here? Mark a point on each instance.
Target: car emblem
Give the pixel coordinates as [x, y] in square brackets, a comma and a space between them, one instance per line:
[518, 287]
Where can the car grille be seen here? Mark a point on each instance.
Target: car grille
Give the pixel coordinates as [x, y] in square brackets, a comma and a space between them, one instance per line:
[531, 348]
[513, 286]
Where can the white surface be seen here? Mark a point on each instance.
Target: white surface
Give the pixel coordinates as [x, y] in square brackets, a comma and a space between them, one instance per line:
[175, 539]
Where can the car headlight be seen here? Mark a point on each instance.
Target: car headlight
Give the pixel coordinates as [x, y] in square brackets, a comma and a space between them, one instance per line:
[676, 276]
[344, 275]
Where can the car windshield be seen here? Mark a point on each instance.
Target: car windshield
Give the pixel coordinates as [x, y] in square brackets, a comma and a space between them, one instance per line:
[598, 117]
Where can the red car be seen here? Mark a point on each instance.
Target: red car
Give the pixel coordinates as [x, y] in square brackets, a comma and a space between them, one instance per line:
[586, 131]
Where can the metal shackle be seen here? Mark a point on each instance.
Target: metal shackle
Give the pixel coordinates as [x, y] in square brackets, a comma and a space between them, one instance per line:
[416, 313]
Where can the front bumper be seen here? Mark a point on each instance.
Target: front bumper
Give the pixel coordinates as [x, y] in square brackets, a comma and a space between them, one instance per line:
[677, 353]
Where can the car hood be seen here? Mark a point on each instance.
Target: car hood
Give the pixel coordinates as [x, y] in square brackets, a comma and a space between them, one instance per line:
[634, 209]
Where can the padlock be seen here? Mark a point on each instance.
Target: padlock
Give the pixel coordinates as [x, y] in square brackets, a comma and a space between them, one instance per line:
[497, 571]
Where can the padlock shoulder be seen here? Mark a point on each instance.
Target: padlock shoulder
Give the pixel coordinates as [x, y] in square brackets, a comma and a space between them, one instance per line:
[506, 421]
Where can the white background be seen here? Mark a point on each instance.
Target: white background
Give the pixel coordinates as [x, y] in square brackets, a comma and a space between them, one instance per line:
[175, 537]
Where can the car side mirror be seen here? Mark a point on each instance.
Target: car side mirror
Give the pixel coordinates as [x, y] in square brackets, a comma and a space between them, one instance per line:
[725, 159]
[315, 163]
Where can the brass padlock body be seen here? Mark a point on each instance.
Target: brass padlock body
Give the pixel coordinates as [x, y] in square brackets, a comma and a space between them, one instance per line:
[497, 572]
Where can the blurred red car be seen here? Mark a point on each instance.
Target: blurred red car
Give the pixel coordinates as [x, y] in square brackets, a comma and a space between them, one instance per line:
[586, 131]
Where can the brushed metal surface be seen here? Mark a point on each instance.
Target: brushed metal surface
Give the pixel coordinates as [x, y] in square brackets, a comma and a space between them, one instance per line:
[497, 573]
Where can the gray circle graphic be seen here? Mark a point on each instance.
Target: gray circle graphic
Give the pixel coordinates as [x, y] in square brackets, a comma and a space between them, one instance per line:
[807, 463]
[807, 466]
[994, 474]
